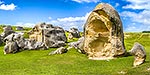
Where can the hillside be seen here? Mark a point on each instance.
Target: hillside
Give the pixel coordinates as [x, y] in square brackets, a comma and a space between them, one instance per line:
[38, 62]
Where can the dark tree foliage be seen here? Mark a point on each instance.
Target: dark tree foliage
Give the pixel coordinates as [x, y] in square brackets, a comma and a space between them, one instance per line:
[145, 31]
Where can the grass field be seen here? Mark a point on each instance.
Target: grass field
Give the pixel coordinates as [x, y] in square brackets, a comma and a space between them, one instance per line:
[38, 62]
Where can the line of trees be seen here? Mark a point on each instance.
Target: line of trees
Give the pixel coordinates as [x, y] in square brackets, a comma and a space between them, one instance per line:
[145, 31]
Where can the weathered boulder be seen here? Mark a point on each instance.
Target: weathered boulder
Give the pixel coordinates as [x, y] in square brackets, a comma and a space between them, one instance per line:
[103, 33]
[139, 54]
[7, 31]
[20, 40]
[35, 45]
[19, 43]
[74, 33]
[60, 50]
[19, 28]
[1, 41]
[16, 37]
[51, 36]
[78, 45]
[11, 47]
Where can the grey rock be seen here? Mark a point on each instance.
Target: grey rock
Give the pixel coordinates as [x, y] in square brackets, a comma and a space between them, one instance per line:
[59, 44]
[51, 36]
[74, 33]
[1, 41]
[22, 43]
[11, 47]
[60, 50]
[78, 45]
[34, 45]
[7, 31]
[19, 28]
[139, 54]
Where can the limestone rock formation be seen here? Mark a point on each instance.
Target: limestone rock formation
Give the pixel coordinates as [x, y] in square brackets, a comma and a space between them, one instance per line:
[74, 33]
[78, 45]
[51, 36]
[7, 31]
[1, 41]
[11, 47]
[34, 45]
[139, 54]
[103, 33]
[16, 42]
[60, 50]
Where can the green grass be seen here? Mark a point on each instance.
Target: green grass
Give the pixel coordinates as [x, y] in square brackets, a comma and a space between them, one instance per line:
[38, 62]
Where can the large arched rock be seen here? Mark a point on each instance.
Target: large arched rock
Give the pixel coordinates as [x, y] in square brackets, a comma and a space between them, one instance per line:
[103, 33]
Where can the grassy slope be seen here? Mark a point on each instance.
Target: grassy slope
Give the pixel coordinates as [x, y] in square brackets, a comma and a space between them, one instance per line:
[37, 62]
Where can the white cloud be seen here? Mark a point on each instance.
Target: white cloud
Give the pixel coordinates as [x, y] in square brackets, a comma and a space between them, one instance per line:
[117, 4]
[71, 19]
[137, 4]
[87, 1]
[1, 2]
[134, 27]
[69, 22]
[8, 7]
[49, 18]
[142, 17]
[138, 21]
[25, 24]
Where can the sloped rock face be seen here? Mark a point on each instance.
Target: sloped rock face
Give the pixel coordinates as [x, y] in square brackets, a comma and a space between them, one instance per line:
[74, 33]
[139, 54]
[60, 50]
[78, 45]
[103, 33]
[11, 46]
[54, 37]
[1, 41]
[51, 36]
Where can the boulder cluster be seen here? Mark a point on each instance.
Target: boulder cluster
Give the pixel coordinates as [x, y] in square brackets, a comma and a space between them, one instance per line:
[42, 36]
[51, 36]
[102, 39]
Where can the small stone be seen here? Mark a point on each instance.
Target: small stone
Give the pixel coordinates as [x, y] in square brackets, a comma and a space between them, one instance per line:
[148, 69]
[122, 72]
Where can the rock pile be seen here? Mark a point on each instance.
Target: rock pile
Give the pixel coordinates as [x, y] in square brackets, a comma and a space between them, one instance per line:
[16, 42]
[103, 33]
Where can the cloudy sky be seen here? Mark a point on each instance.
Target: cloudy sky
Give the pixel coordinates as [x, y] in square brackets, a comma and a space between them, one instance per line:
[135, 14]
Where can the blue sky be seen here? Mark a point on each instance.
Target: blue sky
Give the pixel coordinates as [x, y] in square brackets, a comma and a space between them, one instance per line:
[135, 14]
